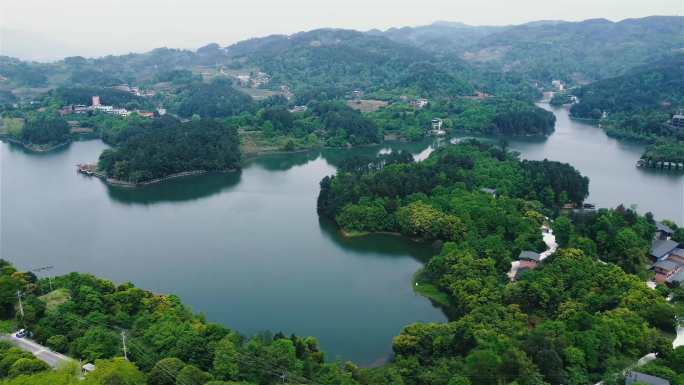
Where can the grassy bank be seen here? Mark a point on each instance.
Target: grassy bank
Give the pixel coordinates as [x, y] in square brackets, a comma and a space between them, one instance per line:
[430, 291]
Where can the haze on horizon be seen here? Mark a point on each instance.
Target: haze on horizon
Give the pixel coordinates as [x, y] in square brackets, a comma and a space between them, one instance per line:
[43, 31]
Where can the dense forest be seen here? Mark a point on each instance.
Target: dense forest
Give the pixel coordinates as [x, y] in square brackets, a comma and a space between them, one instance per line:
[351, 60]
[468, 166]
[565, 322]
[654, 87]
[587, 50]
[162, 147]
[39, 129]
[213, 100]
[493, 116]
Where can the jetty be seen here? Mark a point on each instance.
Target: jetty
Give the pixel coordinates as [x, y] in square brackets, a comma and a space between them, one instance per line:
[662, 165]
[89, 170]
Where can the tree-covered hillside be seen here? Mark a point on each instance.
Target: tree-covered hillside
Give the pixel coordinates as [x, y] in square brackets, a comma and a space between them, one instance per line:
[572, 51]
[351, 60]
[638, 106]
[655, 87]
[441, 37]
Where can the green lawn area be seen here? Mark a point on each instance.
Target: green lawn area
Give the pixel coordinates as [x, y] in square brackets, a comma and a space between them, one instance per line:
[429, 290]
[11, 126]
[55, 298]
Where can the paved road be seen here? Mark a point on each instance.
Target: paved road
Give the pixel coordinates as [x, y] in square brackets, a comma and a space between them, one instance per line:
[41, 352]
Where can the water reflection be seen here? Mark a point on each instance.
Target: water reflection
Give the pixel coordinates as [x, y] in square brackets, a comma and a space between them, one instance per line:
[176, 190]
[283, 161]
[392, 246]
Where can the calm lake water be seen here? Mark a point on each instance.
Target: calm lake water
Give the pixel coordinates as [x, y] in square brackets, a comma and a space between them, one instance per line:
[248, 249]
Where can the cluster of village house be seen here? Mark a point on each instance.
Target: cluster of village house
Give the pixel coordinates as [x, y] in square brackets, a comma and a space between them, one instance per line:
[667, 257]
[254, 81]
[97, 106]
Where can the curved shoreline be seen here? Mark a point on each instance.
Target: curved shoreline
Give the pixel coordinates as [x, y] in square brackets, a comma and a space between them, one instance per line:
[125, 184]
[35, 148]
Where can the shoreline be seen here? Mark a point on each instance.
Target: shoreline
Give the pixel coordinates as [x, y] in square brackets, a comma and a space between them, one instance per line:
[131, 185]
[35, 148]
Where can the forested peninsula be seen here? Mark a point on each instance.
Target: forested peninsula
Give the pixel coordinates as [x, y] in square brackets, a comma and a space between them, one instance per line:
[641, 105]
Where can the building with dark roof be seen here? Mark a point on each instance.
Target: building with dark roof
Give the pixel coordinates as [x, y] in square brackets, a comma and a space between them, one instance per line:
[643, 378]
[665, 268]
[661, 248]
[663, 231]
[529, 259]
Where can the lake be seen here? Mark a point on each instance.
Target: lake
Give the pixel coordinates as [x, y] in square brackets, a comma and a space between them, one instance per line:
[248, 249]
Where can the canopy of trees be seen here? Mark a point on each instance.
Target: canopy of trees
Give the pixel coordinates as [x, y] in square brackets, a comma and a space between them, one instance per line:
[45, 128]
[471, 166]
[212, 100]
[162, 147]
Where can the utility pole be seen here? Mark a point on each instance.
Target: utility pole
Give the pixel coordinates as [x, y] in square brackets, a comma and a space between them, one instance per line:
[123, 341]
[21, 308]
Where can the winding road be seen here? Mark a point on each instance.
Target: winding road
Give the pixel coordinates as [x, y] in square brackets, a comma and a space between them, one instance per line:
[41, 352]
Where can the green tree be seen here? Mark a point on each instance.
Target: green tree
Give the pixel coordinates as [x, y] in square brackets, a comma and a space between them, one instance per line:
[58, 343]
[116, 371]
[27, 366]
[165, 371]
[191, 375]
[226, 359]
[562, 229]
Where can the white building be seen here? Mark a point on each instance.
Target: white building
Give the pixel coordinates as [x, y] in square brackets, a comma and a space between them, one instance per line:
[102, 108]
[120, 111]
[436, 124]
[558, 85]
[419, 103]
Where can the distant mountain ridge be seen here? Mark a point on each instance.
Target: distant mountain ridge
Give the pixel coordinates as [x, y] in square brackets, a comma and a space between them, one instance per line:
[581, 51]
[443, 58]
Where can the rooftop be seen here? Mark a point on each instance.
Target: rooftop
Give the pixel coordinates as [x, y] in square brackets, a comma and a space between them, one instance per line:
[529, 255]
[667, 265]
[661, 247]
[660, 226]
[643, 378]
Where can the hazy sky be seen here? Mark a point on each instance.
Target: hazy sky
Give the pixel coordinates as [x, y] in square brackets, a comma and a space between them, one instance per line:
[97, 27]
